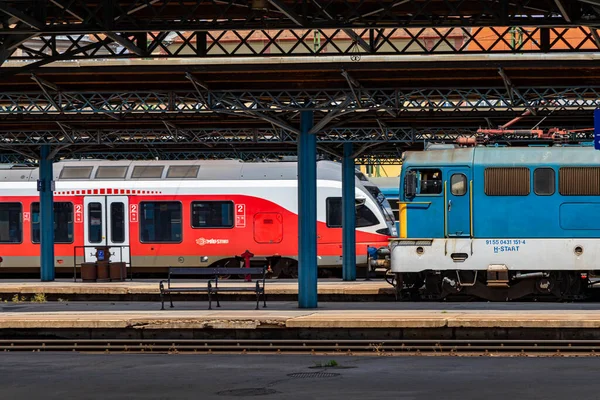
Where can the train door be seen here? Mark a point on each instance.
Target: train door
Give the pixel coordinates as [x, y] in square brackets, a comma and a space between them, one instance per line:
[458, 202]
[106, 224]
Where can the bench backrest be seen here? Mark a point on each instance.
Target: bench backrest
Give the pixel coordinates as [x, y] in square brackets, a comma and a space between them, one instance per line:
[173, 271]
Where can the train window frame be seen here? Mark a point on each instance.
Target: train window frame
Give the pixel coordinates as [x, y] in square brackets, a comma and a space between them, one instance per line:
[552, 180]
[190, 167]
[138, 172]
[89, 224]
[140, 223]
[212, 201]
[418, 172]
[105, 168]
[67, 169]
[33, 224]
[564, 189]
[112, 222]
[20, 204]
[526, 175]
[465, 180]
[328, 223]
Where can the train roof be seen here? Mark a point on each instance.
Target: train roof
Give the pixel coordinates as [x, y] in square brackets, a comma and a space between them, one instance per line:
[155, 170]
[505, 156]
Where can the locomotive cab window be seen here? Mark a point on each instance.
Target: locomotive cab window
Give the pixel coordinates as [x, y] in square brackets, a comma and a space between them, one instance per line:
[543, 181]
[63, 222]
[160, 222]
[423, 182]
[458, 184]
[212, 214]
[11, 225]
[363, 215]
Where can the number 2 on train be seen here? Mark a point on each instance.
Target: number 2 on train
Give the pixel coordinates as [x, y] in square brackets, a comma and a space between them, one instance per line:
[133, 213]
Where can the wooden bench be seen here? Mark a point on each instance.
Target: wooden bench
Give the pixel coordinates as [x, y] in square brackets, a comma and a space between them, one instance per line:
[212, 286]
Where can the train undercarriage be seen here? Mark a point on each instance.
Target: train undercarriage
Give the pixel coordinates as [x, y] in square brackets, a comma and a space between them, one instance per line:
[492, 285]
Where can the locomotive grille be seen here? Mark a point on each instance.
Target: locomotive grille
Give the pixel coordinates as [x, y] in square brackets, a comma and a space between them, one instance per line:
[579, 181]
[507, 181]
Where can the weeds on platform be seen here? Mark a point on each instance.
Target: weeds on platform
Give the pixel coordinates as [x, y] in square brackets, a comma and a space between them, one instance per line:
[39, 298]
[17, 299]
[329, 364]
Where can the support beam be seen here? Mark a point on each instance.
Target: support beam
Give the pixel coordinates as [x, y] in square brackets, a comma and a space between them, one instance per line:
[21, 16]
[285, 10]
[307, 213]
[45, 187]
[563, 10]
[348, 215]
[128, 44]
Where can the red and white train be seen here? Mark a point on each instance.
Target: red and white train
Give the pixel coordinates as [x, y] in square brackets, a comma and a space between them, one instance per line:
[183, 213]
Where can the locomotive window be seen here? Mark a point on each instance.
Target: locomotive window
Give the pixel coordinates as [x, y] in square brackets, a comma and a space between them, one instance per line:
[160, 222]
[363, 215]
[212, 214]
[458, 184]
[543, 181]
[117, 222]
[429, 181]
[510, 181]
[63, 222]
[579, 181]
[95, 223]
[11, 226]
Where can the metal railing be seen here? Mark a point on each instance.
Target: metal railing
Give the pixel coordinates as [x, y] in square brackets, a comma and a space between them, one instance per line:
[128, 265]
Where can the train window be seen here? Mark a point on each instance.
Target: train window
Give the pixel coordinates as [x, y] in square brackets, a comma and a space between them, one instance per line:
[11, 225]
[579, 181]
[111, 172]
[95, 222]
[76, 172]
[458, 184]
[363, 215]
[63, 222]
[160, 222]
[428, 182]
[147, 172]
[509, 181]
[117, 222]
[543, 181]
[182, 171]
[212, 214]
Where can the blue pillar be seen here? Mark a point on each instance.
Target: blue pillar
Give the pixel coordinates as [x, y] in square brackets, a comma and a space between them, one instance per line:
[45, 187]
[348, 216]
[307, 213]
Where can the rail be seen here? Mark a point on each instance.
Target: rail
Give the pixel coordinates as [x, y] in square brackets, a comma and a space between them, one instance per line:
[120, 247]
[351, 347]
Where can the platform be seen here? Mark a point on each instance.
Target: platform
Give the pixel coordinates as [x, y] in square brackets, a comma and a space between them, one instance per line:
[283, 320]
[329, 289]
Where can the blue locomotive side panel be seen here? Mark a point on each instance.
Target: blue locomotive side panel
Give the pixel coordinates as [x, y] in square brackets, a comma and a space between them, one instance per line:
[501, 193]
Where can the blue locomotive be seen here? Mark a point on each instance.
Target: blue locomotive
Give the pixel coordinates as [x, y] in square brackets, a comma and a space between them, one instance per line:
[498, 223]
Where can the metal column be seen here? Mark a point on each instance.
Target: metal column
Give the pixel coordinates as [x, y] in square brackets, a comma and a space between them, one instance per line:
[307, 213]
[45, 187]
[348, 216]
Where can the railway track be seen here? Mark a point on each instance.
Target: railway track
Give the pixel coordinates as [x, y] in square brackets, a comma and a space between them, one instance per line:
[316, 347]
